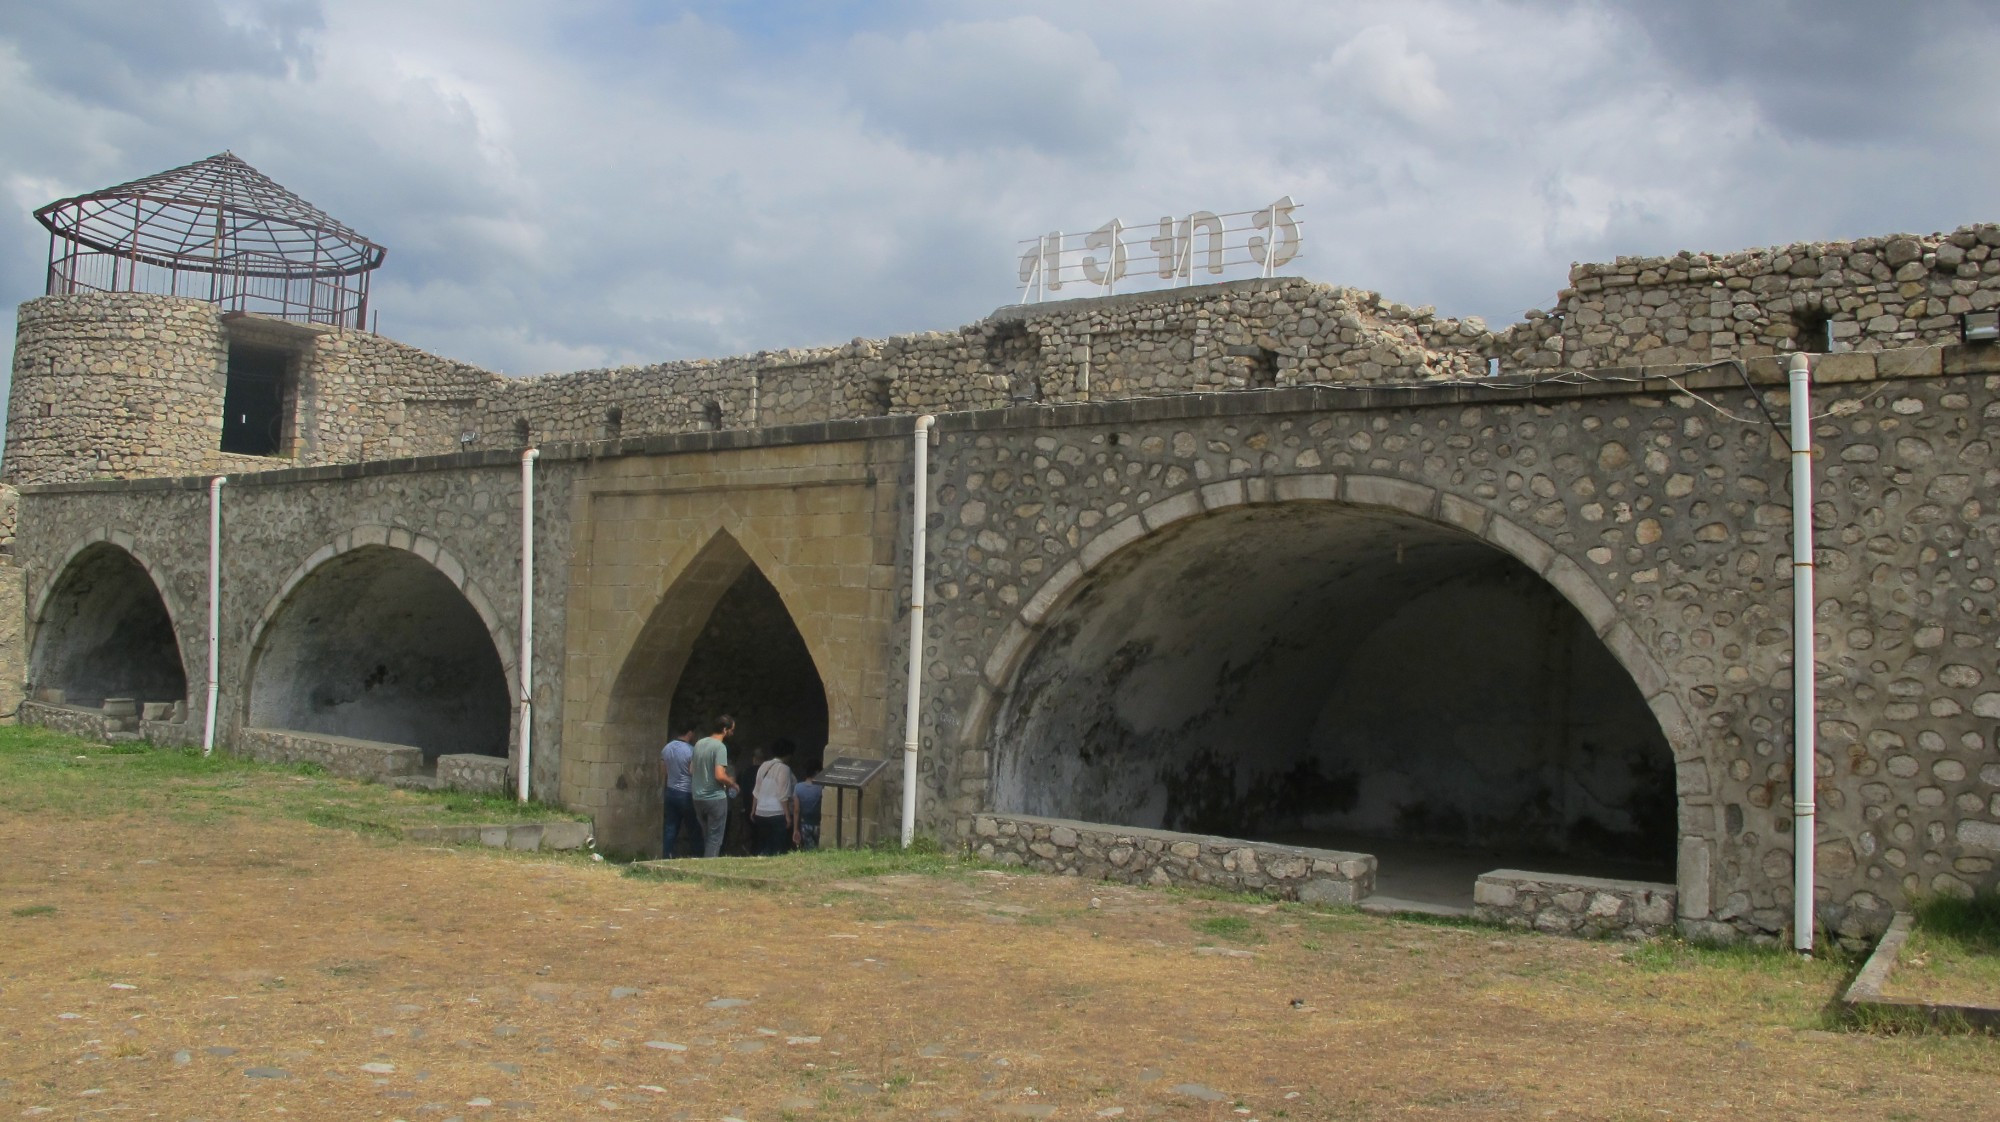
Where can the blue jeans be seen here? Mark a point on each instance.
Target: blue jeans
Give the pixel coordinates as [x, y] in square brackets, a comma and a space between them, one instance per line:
[678, 815]
[713, 814]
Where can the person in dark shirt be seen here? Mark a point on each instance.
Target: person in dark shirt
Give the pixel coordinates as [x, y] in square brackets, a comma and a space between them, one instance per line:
[808, 793]
[677, 817]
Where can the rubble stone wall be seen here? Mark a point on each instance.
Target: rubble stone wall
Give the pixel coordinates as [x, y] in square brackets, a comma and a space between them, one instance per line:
[1589, 906]
[339, 755]
[1868, 295]
[114, 386]
[1160, 857]
[118, 385]
[1663, 522]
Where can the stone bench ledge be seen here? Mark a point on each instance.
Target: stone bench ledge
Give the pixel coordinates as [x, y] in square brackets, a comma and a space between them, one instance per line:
[1562, 904]
[1139, 855]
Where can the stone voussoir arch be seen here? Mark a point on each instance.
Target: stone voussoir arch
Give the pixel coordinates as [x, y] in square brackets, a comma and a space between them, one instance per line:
[425, 549]
[1439, 507]
[124, 541]
[666, 578]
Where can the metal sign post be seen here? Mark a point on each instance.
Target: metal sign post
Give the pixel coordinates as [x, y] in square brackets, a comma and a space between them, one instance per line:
[849, 773]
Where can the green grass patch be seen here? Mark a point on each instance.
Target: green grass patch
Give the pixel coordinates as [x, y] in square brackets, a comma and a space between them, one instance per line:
[1675, 955]
[924, 857]
[1235, 929]
[48, 773]
[1953, 953]
[35, 910]
[1972, 922]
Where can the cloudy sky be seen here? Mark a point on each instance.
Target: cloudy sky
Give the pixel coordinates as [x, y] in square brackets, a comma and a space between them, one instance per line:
[593, 182]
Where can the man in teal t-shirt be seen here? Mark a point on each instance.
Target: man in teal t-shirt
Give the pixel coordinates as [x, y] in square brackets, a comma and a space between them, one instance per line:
[713, 786]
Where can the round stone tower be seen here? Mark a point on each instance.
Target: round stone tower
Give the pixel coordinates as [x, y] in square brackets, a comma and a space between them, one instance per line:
[162, 347]
[110, 385]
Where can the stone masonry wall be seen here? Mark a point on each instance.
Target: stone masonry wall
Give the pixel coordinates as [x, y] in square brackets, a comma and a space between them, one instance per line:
[339, 755]
[1246, 334]
[462, 514]
[108, 387]
[1664, 522]
[88, 724]
[128, 385]
[1159, 857]
[1588, 906]
[1868, 295]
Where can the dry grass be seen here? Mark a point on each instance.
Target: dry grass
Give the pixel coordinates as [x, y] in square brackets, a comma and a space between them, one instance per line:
[135, 948]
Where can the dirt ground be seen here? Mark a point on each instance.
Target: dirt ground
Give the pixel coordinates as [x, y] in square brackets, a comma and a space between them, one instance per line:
[248, 968]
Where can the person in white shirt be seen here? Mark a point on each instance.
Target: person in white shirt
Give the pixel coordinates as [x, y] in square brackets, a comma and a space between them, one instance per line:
[774, 815]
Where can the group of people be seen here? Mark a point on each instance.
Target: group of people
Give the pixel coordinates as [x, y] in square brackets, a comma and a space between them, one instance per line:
[700, 786]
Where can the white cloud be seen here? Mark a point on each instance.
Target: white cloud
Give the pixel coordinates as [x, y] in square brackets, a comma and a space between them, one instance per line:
[1380, 65]
[604, 181]
[974, 86]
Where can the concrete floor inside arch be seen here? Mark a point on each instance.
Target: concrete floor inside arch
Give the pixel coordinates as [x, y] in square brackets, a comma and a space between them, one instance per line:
[1346, 679]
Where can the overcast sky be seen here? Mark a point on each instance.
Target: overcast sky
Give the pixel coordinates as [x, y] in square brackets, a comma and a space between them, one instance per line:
[594, 182]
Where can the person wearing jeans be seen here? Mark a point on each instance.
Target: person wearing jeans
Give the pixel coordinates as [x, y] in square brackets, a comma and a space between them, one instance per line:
[774, 816]
[711, 784]
[676, 762]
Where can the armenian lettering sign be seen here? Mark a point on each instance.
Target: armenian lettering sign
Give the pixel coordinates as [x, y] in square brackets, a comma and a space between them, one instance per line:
[1186, 250]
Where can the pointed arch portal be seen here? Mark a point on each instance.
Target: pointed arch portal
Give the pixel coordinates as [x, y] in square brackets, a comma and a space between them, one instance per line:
[721, 640]
[104, 631]
[1347, 677]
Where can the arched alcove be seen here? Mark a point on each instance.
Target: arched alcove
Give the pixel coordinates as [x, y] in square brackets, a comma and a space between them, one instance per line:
[104, 631]
[721, 640]
[377, 644]
[1341, 676]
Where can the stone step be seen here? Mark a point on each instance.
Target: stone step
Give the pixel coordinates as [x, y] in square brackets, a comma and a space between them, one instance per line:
[1393, 905]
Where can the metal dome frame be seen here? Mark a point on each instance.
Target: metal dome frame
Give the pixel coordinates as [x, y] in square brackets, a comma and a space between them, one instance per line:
[217, 230]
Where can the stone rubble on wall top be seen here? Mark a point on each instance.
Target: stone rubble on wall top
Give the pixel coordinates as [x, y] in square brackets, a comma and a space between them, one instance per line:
[122, 385]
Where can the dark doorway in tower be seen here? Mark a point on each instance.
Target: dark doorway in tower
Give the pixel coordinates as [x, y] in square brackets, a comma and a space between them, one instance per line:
[377, 644]
[254, 400]
[105, 633]
[1345, 678]
[751, 662]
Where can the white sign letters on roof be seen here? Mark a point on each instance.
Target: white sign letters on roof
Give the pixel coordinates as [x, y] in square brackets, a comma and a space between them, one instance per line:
[1185, 250]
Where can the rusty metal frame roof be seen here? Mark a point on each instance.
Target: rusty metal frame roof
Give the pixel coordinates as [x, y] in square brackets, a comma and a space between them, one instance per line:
[217, 215]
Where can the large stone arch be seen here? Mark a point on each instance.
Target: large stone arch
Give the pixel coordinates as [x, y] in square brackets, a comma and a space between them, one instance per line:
[446, 638]
[113, 605]
[629, 712]
[1420, 504]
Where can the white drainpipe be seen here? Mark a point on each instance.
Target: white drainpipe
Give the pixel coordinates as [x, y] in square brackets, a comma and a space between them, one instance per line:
[525, 668]
[1804, 702]
[919, 492]
[214, 610]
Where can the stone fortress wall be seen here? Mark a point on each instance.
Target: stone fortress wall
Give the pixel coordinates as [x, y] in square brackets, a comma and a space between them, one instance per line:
[1868, 295]
[75, 413]
[1661, 522]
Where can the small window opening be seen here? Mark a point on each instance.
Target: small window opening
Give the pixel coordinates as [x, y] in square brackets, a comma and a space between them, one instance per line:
[1492, 368]
[1017, 355]
[521, 432]
[711, 415]
[254, 401]
[878, 398]
[1812, 332]
[614, 422]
